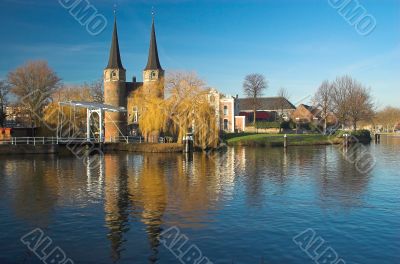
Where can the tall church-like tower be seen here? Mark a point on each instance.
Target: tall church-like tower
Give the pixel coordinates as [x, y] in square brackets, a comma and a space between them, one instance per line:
[115, 91]
[153, 74]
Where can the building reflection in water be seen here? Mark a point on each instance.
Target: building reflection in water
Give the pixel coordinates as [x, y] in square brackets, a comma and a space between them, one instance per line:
[95, 176]
[148, 191]
[35, 188]
[116, 202]
[152, 184]
[163, 190]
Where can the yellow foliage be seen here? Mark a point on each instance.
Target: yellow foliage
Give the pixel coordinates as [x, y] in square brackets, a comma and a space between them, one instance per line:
[152, 109]
[190, 110]
[186, 109]
[73, 120]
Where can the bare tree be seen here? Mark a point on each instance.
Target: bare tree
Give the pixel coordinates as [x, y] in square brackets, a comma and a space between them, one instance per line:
[361, 106]
[323, 98]
[4, 90]
[389, 118]
[97, 91]
[352, 102]
[253, 87]
[339, 95]
[33, 84]
[283, 97]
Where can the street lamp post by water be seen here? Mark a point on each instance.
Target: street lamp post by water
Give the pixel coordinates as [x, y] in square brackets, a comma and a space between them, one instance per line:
[285, 141]
[188, 143]
[346, 142]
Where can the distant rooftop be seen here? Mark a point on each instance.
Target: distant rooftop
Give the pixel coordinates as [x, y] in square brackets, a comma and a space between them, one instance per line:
[265, 103]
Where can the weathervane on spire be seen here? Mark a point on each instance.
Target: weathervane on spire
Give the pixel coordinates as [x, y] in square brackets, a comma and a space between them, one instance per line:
[115, 7]
[153, 12]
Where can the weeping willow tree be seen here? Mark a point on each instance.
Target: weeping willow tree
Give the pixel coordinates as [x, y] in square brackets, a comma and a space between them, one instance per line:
[152, 110]
[206, 130]
[189, 110]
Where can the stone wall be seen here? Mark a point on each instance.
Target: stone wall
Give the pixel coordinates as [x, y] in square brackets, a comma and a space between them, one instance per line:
[144, 148]
[27, 149]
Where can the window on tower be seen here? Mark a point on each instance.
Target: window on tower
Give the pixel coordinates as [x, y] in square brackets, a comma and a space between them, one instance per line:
[225, 110]
[135, 115]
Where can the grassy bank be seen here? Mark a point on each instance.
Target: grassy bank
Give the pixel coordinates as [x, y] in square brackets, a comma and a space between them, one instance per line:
[276, 140]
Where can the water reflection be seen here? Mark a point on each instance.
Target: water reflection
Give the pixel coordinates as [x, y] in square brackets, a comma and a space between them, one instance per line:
[116, 203]
[142, 194]
[37, 186]
[341, 182]
[148, 191]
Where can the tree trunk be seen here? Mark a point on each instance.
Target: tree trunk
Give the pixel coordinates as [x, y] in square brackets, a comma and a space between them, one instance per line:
[325, 125]
[254, 117]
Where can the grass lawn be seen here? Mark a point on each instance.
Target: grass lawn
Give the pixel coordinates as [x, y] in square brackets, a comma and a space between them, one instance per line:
[277, 140]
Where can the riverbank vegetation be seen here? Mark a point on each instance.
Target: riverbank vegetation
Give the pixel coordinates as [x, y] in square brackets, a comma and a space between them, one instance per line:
[277, 140]
[389, 119]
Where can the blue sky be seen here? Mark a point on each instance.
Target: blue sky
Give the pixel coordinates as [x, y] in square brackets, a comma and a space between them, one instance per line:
[296, 44]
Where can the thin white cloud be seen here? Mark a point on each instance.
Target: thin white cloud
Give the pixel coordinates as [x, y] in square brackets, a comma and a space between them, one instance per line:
[372, 62]
[57, 48]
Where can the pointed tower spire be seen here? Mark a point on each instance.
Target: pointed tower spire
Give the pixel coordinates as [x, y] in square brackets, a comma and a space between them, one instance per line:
[153, 63]
[114, 62]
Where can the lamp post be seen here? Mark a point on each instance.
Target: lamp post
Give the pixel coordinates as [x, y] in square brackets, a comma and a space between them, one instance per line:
[297, 124]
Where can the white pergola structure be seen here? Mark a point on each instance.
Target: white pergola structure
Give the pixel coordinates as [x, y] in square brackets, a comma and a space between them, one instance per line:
[92, 108]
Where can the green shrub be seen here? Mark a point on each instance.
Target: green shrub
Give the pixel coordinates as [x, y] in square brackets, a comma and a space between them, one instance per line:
[360, 134]
[267, 125]
[314, 127]
[227, 136]
[288, 125]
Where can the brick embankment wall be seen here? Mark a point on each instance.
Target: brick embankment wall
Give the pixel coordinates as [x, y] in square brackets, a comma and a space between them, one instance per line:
[144, 148]
[54, 149]
[27, 149]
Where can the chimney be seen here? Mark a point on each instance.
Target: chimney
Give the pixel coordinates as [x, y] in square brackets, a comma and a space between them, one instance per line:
[134, 79]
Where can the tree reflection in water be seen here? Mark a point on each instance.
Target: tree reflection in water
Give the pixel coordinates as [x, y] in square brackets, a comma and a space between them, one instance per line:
[141, 194]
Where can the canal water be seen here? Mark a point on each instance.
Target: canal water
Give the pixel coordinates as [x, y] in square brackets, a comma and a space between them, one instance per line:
[242, 206]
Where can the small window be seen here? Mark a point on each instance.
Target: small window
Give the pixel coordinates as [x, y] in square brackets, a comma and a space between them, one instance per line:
[135, 115]
[225, 110]
[226, 124]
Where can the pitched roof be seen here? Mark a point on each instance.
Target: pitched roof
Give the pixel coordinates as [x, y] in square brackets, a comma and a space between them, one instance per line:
[114, 61]
[314, 110]
[309, 108]
[265, 103]
[153, 62]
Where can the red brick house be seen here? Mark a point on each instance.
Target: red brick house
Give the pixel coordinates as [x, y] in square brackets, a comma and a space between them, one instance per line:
[306, 114]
